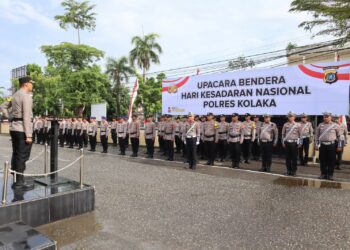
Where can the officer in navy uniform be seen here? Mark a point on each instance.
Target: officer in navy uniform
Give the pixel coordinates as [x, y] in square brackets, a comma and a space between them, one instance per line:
[327, 142]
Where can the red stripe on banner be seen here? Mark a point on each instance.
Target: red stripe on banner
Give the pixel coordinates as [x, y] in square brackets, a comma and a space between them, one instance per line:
[310, 72]
[321, 67]
[166, 81]
[183, 82]
[315, 74]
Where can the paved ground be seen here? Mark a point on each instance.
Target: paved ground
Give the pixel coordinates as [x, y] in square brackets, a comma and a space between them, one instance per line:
[143, 204]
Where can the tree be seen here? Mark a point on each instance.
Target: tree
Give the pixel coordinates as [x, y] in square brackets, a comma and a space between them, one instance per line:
[150, 94]
[331, 16]
[2, 99]
[119, 72]
[241, 63]
[79, 15]
[78, 80]
[146, 51]
[291, 46]
[71, 57]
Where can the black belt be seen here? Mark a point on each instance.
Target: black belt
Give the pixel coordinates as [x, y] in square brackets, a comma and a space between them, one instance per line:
[133, 133]
[222, 133]
[168, 133]
[19, 120]
[234, 136]
[209, 136]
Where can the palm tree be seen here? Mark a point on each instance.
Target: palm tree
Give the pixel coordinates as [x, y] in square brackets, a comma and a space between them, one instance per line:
[79, 15]
[146, 51]
[119, 71]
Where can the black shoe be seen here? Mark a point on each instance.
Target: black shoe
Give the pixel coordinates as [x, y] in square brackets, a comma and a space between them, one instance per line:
[221, 160]
[237, 165]
[293, 174]
[194, 167]
[247, 162]
[322, 177]
[337, 167]
[288, 173]
[262, 169]
[208, 163]
[330, 177]
[232, 165]
[104, 152]
[268, 170]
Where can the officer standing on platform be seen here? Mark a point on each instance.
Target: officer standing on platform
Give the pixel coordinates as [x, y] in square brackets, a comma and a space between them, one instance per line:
[210, 138]
[122, 130]
[326, 141]
[114, 132]
[21, 130]
[169, 137]
[222, 137]
[150, 136]
[342, 142]
[92, 132]
[249, 136]
[104, 130]
[255, 146]
[307, 132]
[134, 134]
[267, 137]
[291, 134]
[235, 139]
[191, 137]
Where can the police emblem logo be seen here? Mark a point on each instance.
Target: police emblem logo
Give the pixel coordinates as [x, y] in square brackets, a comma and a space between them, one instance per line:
[330, 76]
[172, 89]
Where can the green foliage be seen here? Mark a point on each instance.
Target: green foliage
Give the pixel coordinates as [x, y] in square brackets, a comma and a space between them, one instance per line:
[291, 46]
[119, 71]
[150, 94]
[146, 51]
[241, 63]
[2, 95]
[331, 16]
[71, 57]
[79, 15]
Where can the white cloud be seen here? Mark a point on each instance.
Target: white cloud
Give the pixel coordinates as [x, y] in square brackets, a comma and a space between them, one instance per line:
[21, 12]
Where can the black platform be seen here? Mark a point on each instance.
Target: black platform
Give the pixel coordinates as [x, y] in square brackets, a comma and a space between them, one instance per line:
[21, 236]
[46, 204]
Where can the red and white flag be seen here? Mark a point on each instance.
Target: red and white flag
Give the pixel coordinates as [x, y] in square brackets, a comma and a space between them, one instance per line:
[343, 119]
[133, 98]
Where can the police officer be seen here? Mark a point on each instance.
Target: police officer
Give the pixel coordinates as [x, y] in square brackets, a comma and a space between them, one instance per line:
[85, 133]
[134, 134]
[307, 132]
[47, 131]
[267, 139]
[70, 136]
[210, 138]
[92, 132]
[61, 132]
[342, 142]
[327, 142]
[74, 133]
[222, 138]
[235, 139]
[191, 137]
[201, 148]
[161, 134]
[39, 127]
[249, 137]
[255, 145]
[104, 131]
[21, 130]
[150, 136]
[182, 127]
[122, 130]
[114, 132]
[178, 141]
[79, 132]
[169, 137]
[291, 135]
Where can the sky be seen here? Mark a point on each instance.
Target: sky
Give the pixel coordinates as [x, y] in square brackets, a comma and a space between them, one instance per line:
[191, 32]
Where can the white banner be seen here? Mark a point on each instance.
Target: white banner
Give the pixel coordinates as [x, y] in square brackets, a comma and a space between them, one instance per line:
[312, 89]
[98, 110]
